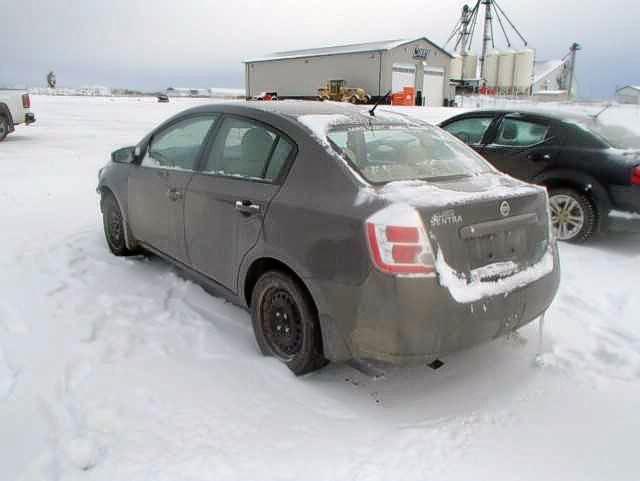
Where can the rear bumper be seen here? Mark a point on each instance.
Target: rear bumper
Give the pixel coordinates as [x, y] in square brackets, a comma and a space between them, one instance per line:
[626, 197]
[416, 320]
[29, 118]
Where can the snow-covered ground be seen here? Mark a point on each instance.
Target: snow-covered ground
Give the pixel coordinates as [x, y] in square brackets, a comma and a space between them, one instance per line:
[119, 369]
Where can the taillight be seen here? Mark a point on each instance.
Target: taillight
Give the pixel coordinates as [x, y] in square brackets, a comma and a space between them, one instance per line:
[26, 101]
[398, 242]
[635, 176]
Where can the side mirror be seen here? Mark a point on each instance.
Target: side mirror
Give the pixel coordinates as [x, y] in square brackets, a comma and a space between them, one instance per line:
[126, 155]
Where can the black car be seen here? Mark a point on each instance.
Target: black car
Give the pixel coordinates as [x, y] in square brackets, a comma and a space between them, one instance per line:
[588, 168]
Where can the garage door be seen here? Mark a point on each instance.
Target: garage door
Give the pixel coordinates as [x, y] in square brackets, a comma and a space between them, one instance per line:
[403, 75]
[433, 86]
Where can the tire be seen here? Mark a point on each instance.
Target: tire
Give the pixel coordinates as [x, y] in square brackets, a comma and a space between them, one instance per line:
[572, 214]
[4, 127]
[354, 100]
[285, 323]
[114, 226]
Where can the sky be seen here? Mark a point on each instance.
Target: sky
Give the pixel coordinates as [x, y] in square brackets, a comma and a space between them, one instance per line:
[151, 45]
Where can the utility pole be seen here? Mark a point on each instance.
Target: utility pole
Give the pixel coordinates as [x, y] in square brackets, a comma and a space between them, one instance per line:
[574, 49]
[486, 37]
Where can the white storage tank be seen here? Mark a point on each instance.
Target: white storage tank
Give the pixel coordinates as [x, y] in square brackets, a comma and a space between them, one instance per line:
[523, 73]
[506, 63]
[455, 68]
[470, 66]
[491, 69]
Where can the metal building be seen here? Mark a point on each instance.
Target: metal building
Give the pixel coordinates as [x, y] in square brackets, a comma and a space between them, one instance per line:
[375, 66]
[629, 94]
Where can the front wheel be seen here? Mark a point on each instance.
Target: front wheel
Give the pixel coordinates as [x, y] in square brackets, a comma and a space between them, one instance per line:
[572, 215]
[285, 323]
[113, 223]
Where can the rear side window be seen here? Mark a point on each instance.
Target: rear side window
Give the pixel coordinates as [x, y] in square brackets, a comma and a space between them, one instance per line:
[279, 158]
[470, 131]
[178, 146]
[579, 136]
[520, 133]
[248, 149]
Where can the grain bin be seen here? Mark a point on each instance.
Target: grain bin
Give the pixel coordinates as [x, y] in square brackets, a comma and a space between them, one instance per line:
[455, 68]
[469, 66]
[491, 69]
[506, 63]
[523, 71]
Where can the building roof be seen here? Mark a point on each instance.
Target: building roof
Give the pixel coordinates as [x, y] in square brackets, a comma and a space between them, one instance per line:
[380, 46]
[634, 87]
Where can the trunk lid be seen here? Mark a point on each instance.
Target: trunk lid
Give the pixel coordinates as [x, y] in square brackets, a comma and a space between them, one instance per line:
[486, 227]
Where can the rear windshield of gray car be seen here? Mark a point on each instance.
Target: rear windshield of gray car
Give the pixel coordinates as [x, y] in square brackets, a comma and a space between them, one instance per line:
[384, 154]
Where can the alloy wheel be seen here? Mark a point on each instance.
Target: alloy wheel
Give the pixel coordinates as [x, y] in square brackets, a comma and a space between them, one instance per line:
[567, 216]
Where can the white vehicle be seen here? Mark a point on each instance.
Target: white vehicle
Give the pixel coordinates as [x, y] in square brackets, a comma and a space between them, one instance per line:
[15, 109]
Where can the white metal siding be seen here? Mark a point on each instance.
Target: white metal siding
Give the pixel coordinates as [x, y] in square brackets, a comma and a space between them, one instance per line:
[303, 77]
[404, 54]
[628, 95]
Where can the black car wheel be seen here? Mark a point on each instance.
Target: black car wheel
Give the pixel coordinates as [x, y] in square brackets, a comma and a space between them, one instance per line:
[113, 223]
[285, 323]
[572, 215]
[4, 127]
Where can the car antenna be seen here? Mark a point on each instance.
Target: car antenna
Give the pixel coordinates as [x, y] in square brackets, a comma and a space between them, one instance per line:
[607, 107]
[372, 112]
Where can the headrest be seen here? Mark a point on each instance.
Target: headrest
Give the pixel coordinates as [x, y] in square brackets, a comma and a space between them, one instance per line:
[256, 145]
[509, 130]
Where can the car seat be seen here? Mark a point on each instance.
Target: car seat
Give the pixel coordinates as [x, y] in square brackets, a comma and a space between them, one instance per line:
[509, 132]
[255, 146]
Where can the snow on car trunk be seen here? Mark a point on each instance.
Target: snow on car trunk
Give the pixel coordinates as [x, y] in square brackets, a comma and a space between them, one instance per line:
[117, 369]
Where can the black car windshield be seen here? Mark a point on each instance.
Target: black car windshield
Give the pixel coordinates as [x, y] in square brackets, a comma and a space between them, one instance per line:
[387, 153]
[616, 136]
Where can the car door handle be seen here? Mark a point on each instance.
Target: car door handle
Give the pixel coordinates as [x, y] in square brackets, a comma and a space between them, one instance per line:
[537, 157]
[247, 207]
[174, 194]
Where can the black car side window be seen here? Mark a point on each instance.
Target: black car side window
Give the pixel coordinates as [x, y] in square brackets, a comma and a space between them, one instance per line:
[247, 149]
[178, 146]
[471, 130]
[520, 133]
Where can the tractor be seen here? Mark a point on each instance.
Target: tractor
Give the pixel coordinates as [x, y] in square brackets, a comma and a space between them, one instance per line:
[337, 91]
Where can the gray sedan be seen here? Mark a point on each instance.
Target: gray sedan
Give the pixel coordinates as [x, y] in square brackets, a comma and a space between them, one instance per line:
[348, 235]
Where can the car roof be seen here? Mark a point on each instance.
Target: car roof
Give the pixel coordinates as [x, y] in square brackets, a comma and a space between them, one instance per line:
[551, 114]
[294, 109]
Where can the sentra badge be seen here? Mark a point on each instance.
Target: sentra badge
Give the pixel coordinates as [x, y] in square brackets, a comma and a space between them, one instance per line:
[447, 217]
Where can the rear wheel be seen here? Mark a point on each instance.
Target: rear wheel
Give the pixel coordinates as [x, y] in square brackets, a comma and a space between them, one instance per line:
[4, 127]
[285, 323]
[572, 215]
[114, 227]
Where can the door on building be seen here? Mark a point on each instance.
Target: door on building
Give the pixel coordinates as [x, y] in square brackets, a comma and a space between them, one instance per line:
[402, 75]
[433, 86]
